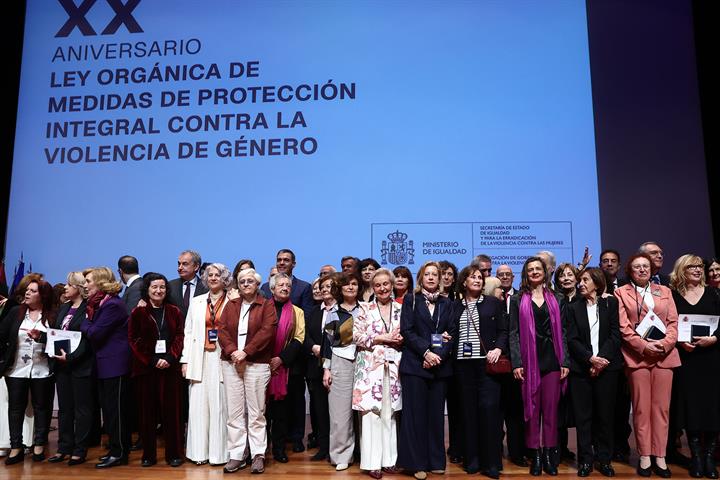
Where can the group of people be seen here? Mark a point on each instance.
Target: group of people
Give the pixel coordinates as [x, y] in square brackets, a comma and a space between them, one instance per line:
[381, 354]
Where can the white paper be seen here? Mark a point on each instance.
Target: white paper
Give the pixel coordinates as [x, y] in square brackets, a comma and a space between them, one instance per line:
[56, 334]
[685, 323]
[645, 324]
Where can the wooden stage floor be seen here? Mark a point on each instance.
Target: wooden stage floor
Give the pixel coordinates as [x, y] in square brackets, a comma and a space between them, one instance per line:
[299, 467]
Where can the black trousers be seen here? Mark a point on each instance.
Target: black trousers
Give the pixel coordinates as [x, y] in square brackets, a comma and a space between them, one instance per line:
[456, 447]
[76, 402]
[421, 445]
[621, 424]
[480, 404]
[319, 400]
[42, 392]
[593, 401]
[296, 405]
[115, 396]
[282, 413]
[313, 419]
[511, 404]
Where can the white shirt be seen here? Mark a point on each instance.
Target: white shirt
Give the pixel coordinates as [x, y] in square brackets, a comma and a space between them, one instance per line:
[594, 321]
[193, 284]
[31, 361]
[243, 325]
[646, 295]
[131, 280]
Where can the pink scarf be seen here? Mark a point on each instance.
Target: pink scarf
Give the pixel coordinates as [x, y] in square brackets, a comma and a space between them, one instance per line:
[279, 380]
[528, 351]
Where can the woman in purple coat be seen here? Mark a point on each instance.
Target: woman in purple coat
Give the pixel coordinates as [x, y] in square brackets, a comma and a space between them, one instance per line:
[106, 326]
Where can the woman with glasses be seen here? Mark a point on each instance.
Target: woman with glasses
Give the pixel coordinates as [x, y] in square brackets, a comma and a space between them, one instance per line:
[696, 401]
[648, 323]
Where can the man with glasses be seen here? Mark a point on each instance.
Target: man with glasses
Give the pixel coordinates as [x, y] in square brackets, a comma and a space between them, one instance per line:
[655, 252]
[326, 270]
[484, 264]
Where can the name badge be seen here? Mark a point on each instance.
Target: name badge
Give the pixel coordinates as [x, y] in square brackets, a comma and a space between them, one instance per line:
[212, 335]
[467, 349]
[160, 346]
[390, 354]
[436, 340]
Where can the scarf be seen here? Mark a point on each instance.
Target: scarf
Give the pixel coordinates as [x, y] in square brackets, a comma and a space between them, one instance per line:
[528, 351]
[430, 297]
[94, 302]
[279, 380]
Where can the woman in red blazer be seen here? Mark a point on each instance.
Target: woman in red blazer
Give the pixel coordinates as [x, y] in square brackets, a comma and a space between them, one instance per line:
[156, 334]
[649, 362]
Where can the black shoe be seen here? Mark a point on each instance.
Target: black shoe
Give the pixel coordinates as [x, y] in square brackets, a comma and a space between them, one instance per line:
[298, 446]
[471, 470]
[584, 470]
[312, 441]
[57, 458]
[76, 461]
[710, 466]
[280, 457]
[20, 457]
[320, 455]
[491, 473]
[112, 462]
[104, 458]
[606, 470]
[536, 463]
[136, 446]
[175, 462]
[644, 472]
[519, 461]
[456, 459]
[548, 463]
[662, 472]
[147, 462]
[696, 468]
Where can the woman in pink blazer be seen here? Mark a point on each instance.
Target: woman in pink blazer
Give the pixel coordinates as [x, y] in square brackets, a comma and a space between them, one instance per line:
[649, 359]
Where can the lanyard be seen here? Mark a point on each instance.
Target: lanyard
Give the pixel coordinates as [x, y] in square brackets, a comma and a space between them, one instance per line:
[387, 329]
[639, 301]
[471, 319]
[162, 320]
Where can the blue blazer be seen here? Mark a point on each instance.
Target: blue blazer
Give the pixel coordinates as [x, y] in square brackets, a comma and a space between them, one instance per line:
[108, 335]
[416, 326]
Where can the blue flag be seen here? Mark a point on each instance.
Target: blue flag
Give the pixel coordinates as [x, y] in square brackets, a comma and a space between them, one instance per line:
[19, 273]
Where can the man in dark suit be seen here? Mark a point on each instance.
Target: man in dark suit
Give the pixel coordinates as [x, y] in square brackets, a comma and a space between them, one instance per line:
[300, 296]
[129, 271]
[655, 252]
[188, 285]
[610, 265]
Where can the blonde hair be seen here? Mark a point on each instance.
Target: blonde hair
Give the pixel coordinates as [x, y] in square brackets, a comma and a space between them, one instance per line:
[77, 280]
[421, 272]
[678, 280]
[491, 283]
[104, 279]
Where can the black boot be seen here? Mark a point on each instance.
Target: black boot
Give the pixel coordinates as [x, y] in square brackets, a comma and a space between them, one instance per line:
[536, 463]
[548, 462]
[696, 469]
[710, 444]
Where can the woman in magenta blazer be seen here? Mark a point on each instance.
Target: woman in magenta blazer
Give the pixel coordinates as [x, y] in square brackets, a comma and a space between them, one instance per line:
[650, 357]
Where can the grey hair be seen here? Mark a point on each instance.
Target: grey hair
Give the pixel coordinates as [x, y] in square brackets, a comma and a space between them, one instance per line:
[197, 260]
[249, 271]
[225, 274]
[643, 248]
[550, 255]
[273, 280]
[383, 271]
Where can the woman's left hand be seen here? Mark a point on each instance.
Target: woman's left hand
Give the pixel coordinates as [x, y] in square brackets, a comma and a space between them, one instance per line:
[63, 357]
[34, 334]
[162, 364]
[704, 341]
[564, 372]
[275, 363]
[446, 337]
[494, 355]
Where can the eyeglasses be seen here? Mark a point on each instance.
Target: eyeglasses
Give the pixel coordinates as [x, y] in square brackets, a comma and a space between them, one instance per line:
[640, 267]
[504, 274]
[486, 270]
[247, 281]
[700, 266]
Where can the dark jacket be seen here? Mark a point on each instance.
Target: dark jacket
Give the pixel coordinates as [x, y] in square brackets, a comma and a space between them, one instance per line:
[108, 336]
[81, 362]
[300, 294]
[175, 292]
[313, 336]
[132, 294]
[416, 327]
[262, 326]
[493, 324]
[578, 331]
[143, 335]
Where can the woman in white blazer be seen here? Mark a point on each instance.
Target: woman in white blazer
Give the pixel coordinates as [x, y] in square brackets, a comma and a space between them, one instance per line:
[207, 432]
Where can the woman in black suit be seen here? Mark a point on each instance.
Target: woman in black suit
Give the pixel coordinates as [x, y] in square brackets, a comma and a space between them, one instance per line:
[428, 330]
[595, 363]
[481, 339]
[74, 378]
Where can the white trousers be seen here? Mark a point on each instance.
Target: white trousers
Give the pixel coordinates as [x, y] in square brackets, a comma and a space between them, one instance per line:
[378, 434]
[207, 421]
[28, 422]
[244, 390]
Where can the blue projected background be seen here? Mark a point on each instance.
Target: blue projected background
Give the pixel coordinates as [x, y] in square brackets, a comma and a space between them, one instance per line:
[463, 128]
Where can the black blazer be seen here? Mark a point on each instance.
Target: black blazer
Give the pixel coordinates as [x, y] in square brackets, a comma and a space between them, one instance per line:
[9, 339]
[313, 336]
[416, 326]
[81, 362]
[493, 324]
[175, 296]
[611, 287]
[132, 294]
[609, 338]
[514, 331]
